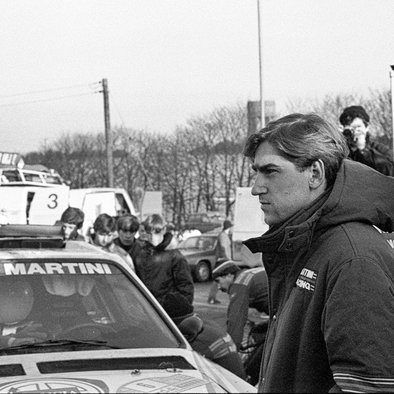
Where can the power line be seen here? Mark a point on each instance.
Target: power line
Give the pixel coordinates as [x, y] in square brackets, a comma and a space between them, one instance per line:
[91, 86]
[48, 99]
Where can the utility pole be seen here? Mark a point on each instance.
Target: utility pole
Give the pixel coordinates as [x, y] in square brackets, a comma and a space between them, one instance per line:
[108, 136]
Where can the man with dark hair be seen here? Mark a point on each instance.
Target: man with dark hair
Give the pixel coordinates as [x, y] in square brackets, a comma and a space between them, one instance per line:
[205, 338]
[127, 227]
[331, 273]
[104, 234]
[246, 289]
[355, 123]
[71, 222]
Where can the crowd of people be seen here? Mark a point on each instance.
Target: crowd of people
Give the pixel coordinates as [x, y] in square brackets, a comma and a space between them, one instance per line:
[327, 280]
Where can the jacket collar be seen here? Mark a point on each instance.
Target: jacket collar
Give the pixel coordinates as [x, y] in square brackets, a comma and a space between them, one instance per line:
[294, 234]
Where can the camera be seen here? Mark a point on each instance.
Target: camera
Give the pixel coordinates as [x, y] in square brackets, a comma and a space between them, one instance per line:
[348, 132]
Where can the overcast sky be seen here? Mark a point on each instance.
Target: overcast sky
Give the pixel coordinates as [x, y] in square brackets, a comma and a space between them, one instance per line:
[169, 60]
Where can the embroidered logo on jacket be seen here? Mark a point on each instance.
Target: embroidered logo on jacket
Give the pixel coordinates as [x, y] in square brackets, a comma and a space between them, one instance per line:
[307, 279]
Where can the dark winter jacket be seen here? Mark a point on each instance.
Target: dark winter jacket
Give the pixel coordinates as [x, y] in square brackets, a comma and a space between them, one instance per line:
[331, 290]
[249, 290]
[164, 271]
[375, 155]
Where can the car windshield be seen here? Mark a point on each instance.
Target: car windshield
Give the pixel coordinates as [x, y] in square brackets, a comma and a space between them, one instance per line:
[201, 243]
[54, 304]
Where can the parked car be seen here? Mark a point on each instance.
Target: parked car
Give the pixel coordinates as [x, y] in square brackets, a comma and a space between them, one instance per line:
[203, 222]
[75, 318]
[199, 251]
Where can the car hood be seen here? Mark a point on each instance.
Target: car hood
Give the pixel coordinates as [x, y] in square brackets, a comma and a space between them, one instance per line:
[117, 371]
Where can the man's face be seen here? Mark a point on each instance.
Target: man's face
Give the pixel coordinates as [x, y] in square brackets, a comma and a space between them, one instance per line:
[282, 189]
[224, 282]
[126, 236]
[103, 239]
[68, 230]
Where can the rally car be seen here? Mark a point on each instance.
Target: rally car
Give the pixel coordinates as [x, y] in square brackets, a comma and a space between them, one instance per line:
[74, 318]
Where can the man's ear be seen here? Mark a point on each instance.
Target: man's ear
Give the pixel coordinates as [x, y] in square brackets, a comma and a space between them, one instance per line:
[317, 174]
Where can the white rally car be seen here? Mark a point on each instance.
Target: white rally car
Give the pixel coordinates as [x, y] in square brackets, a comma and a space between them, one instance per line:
[75, 319]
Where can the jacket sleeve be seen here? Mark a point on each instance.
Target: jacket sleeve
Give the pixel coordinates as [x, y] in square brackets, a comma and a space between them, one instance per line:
[182, 275]
[358, 328]
[237, 312]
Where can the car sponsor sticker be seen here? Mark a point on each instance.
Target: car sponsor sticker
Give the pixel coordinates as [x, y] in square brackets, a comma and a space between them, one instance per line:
[55, 385]
[54, 269]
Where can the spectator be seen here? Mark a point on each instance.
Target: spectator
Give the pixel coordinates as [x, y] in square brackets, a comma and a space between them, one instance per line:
[331, 273]
[207, 339]
[355, 122]
[223, 253]
[162, 270]
[127, 227]
[104, 233]
[169, 240]
[246, 289]
[71, 223]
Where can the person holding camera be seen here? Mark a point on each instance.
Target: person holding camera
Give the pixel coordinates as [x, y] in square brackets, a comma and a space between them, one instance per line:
[355, 122]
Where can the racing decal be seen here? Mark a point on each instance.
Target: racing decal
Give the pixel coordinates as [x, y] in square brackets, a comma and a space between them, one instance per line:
[307, 279]
[174, 384]
[55, 385]
[208, 368]
[54, 268]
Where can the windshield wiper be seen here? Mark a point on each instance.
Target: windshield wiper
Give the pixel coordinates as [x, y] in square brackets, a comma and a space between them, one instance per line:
[63, 342]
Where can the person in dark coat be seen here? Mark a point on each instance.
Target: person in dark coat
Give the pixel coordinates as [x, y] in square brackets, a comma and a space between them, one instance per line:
[355, 123]
[127, 227]
[330, 271]
[205, 338]
[162, 270]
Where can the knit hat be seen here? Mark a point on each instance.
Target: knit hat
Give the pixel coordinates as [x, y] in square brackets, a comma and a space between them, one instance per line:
[229, 267]
[352, 112]
[227, 224]
[177, 306]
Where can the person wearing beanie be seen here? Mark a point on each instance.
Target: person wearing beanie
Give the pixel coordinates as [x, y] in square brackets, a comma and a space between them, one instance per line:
[223, 253]
[71, 223]
[355, 123]
[207, 339]
[247, 288]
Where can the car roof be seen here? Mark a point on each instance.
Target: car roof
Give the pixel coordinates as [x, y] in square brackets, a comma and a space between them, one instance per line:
[41, 241]
[72, 249]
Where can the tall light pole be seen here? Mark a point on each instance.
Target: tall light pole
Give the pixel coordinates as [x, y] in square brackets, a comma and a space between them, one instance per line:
[262, 108]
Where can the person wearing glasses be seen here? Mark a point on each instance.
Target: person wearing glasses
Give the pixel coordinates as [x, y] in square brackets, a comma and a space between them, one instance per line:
[103, 236]
[162, 270]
